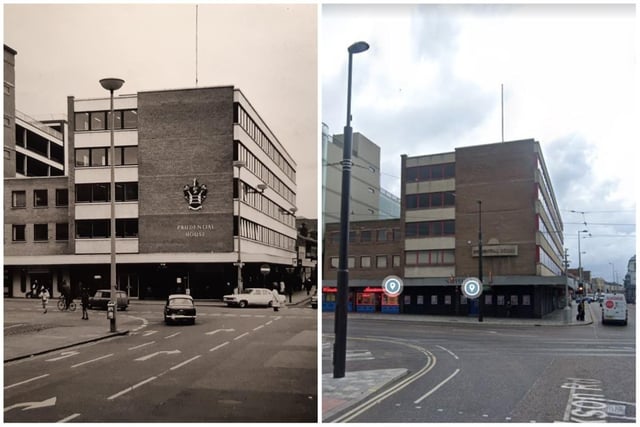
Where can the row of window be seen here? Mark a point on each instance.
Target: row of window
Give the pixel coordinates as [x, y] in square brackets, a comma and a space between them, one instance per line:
[430, 257]
[96, 157]
[252, 231]
[431, 200]
[100, 192]
[368, 236]
[263, 172]
[431, 172]
[40, 198]
[101, 228]
[40, 232]
[245, 121]
[381, 261]
[101, 120]
[36, 143]
[264, 204]
[431, 228]
[85, 229]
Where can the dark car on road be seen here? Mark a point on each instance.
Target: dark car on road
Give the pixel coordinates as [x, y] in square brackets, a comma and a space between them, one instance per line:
[180, 308]
[103, 296]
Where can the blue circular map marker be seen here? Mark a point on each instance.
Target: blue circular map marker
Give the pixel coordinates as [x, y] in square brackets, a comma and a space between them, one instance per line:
[472, 287]
[392, 286]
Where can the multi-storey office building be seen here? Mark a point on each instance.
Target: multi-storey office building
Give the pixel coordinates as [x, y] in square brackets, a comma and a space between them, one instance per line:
[505, 190]
[375, 252]
[368, 200]
[202, 185]
[630, 281]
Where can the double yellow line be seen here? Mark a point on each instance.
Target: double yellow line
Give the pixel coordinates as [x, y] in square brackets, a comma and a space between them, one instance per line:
[377, 398]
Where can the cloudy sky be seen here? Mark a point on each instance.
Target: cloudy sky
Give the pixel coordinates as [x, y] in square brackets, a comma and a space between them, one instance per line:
[268, 51]
[431, 82]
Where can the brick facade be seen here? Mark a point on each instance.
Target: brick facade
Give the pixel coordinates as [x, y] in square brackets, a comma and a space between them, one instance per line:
[185, 134]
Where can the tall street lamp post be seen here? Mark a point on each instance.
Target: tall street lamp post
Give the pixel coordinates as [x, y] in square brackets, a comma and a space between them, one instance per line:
[480, 319]
[112, 84]
[261, 187]
[580, 262]
[342, 297]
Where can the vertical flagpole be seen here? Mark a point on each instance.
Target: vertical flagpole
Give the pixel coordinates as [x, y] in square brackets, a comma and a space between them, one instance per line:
[196, 45]
[502, 107]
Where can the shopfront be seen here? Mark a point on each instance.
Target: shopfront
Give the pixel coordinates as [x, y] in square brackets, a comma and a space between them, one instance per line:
[367, 299]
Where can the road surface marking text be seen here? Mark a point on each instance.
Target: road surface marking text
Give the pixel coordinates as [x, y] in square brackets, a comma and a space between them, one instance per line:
[587, 404]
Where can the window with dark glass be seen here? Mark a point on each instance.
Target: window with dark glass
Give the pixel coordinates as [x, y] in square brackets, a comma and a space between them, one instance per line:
[62, 231]
[83, 193]
[436, 200]
[126, 191]
[62, 197]
[20, 163]
[381, 235]
[365, 236]
[436, 228]
[127, 227]
[40, 232]
[98, 120]
[352, 236]
[449, 227]
[450, 170]
[18, 233]
[99, 156]
[97, 228]
[101, 192]
[18, 199]
[449, 198]
[81, 121]
[437, 172]
[412, 201]
[130, 155]
[40, 198]
[412, 174]
[57, 153]
[411, 229]
[83, 157]
[130, 119]
[118, 119]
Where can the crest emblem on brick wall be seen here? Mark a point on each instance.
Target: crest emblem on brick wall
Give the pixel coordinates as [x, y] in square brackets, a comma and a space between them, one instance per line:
[195, 194]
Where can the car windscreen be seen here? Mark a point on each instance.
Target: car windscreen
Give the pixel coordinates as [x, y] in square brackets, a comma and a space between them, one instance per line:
[180, 302]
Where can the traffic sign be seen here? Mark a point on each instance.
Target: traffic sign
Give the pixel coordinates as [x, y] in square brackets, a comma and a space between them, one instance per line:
[265, 269]
[392, 286]
[472, 287]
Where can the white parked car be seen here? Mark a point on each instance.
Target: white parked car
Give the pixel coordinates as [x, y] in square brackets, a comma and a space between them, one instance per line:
[252, 296]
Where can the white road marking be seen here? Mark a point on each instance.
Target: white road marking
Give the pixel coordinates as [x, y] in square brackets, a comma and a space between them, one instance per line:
[128, 389]
[69, 418]
[219, 346]
[448, 351]
[172, 335]
[433, 390]
[33, 405]
[269, 322]
[142, 345]
[146, 334]
[64, 355]
[219, 330]
[184, 363]
[26, 381]
[92, 360]
[14, 326]
[149, 356]
[258, 327]
[240, 336]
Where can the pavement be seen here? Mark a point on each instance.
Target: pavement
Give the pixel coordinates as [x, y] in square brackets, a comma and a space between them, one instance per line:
[29, 332]
[341, 394]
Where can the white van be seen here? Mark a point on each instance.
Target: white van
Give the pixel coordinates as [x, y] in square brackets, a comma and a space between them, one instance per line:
[614, 309]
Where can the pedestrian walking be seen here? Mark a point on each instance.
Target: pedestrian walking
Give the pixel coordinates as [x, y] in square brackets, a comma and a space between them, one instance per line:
[275, 302]
[66, 293]
[307, 285]
[44, 294]
[85, 303]
[580, 316]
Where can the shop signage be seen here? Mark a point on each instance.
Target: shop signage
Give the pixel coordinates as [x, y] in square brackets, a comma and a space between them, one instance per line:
[392, 286]
[495, 250]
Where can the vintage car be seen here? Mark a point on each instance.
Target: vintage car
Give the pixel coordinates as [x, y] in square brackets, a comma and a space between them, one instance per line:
[103, 296]
[252, 296]
[179, 308]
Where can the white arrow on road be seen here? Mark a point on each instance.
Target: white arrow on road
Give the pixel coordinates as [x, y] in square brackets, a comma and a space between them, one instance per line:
[64, 354]
[149, 356]
[33, 405]
[219, 330]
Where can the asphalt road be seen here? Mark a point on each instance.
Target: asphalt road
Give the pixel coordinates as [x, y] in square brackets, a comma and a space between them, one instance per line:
[488, 373]
[249, 365]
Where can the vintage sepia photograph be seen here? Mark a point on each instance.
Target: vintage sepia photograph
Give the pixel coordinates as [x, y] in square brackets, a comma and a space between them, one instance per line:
[160, 213]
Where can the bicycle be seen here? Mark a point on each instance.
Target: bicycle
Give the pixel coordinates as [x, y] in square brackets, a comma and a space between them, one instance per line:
[62, 303]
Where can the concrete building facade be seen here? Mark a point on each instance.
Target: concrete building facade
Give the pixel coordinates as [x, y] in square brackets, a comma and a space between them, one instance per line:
[202, 184]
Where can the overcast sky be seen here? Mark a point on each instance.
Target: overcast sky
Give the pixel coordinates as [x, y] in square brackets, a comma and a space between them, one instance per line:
[431, 82]
[269, 52]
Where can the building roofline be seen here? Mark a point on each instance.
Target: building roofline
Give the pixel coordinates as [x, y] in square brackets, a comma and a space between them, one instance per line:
[10, 50]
